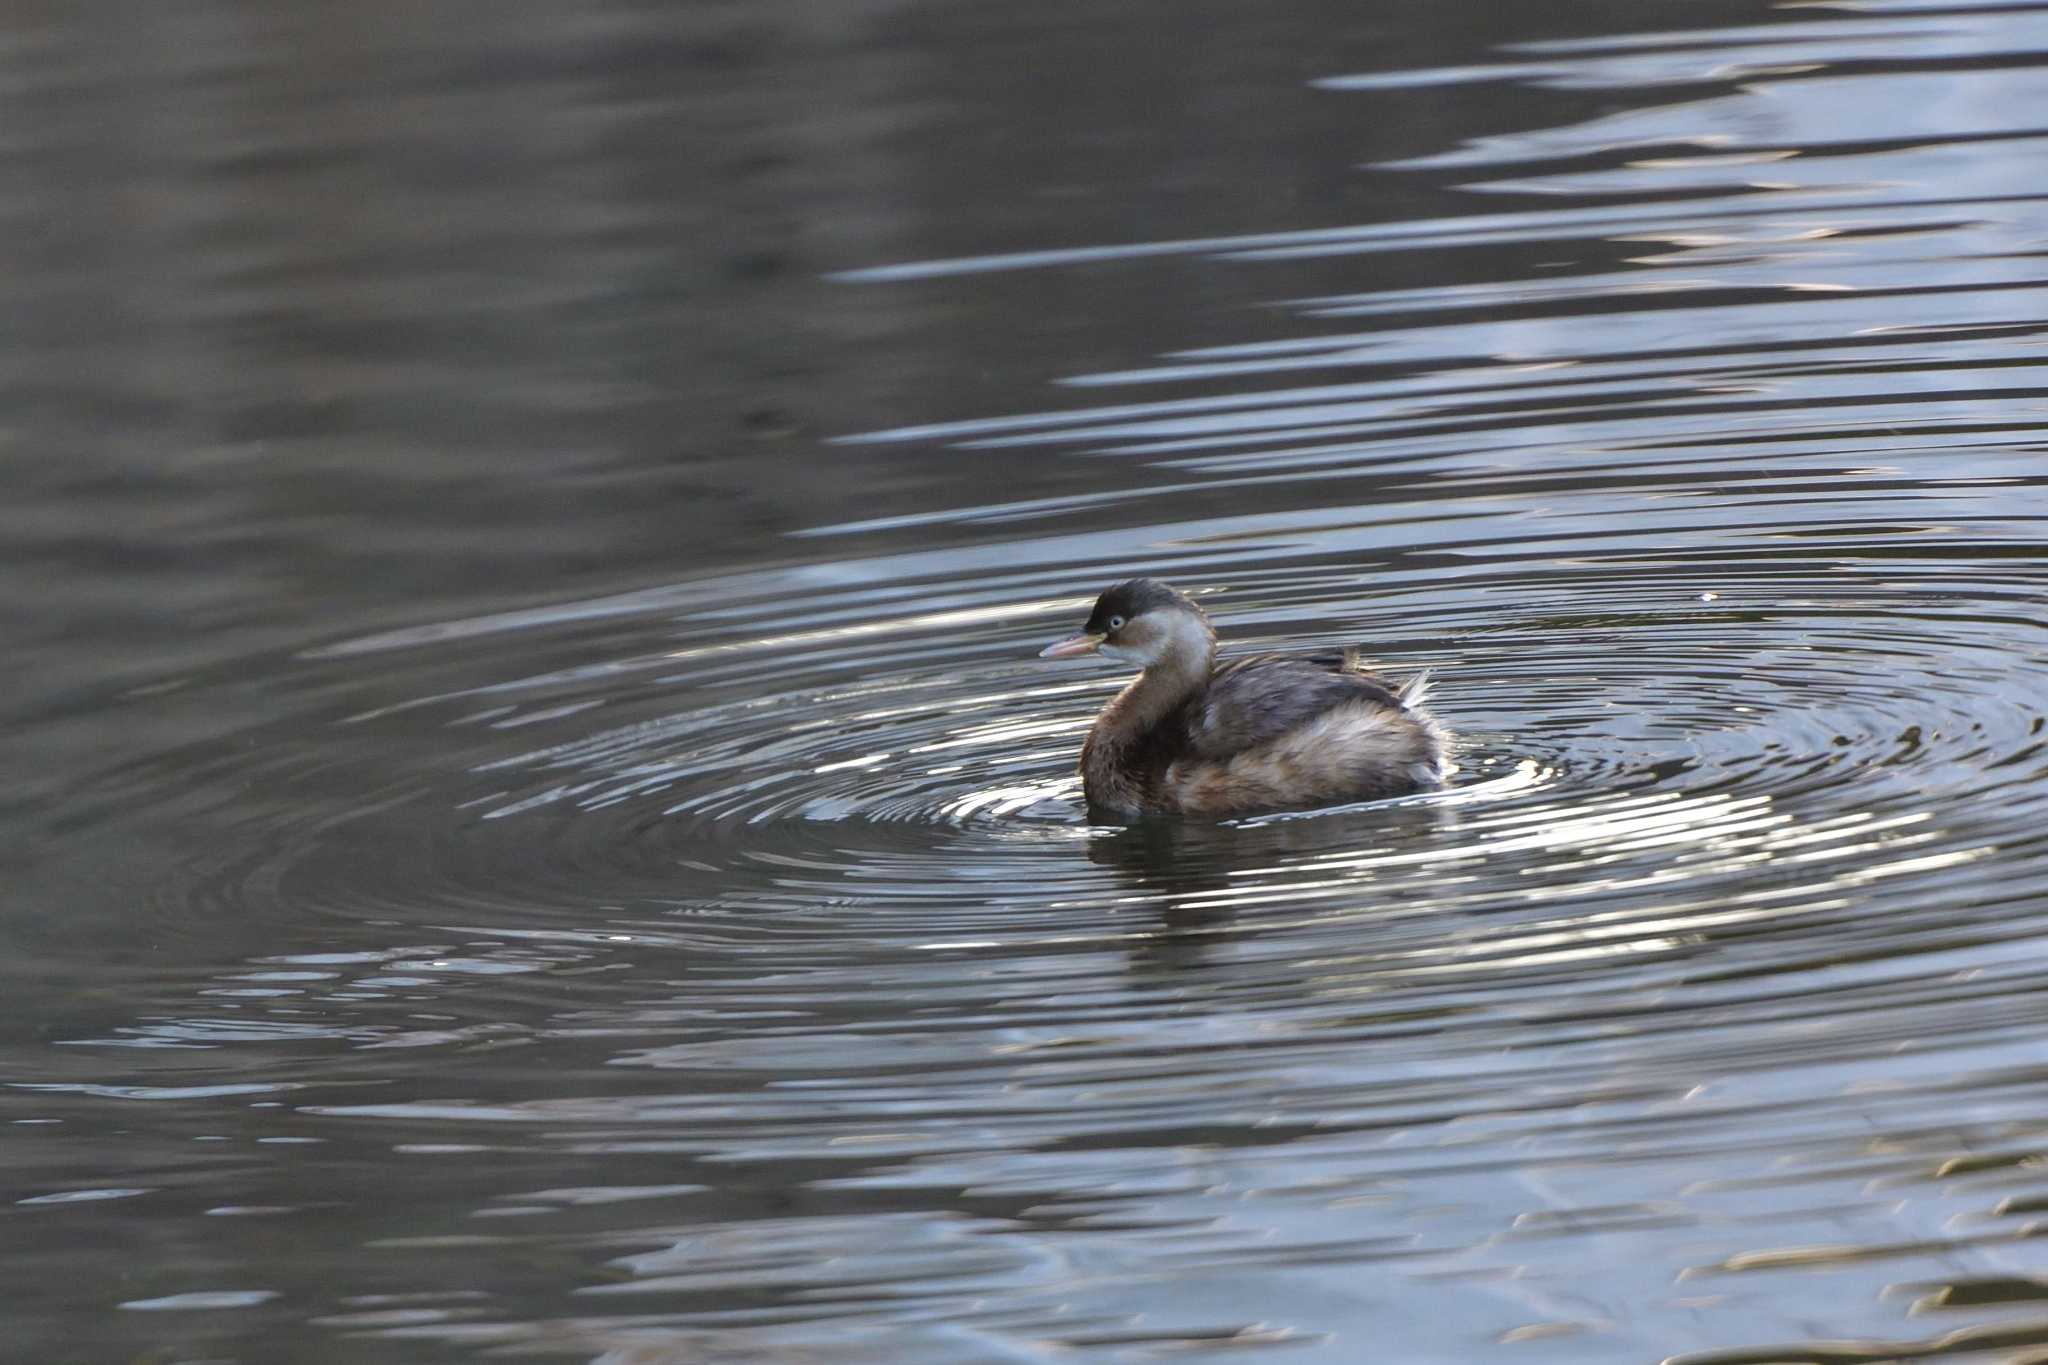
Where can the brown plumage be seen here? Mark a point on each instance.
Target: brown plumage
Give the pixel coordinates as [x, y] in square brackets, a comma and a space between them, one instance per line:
[1192, 736]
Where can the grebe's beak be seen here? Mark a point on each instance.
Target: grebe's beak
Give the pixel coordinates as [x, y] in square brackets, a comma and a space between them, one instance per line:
[1072, 647]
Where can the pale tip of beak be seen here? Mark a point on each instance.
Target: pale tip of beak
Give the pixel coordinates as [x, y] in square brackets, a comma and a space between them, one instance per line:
[1072, 647]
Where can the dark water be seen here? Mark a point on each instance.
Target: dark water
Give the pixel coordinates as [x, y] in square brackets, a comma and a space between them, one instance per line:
[533, 829]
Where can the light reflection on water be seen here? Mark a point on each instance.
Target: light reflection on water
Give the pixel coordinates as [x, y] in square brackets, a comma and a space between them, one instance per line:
[719, 965]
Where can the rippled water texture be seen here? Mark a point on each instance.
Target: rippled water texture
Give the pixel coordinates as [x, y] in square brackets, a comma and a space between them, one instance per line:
[536, 829]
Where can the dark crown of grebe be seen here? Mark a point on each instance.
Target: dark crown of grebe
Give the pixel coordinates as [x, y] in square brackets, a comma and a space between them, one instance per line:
[1132, 598]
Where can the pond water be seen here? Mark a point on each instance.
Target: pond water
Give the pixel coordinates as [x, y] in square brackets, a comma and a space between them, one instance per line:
[535, 829]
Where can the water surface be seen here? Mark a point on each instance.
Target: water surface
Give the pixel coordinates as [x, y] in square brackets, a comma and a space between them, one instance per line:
[536, 830]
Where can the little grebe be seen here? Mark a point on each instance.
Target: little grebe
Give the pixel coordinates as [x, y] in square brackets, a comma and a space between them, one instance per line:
[1192, 736]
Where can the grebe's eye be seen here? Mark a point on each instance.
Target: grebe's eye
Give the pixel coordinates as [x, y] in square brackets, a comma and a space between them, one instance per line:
[1116, 623]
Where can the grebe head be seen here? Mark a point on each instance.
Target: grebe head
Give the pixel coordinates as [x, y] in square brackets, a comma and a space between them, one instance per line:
[1144, 622]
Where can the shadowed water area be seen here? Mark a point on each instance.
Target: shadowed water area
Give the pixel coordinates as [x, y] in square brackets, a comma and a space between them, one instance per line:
[533, 827]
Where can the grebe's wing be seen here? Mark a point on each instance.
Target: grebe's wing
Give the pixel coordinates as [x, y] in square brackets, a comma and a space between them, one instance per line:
[1257, 699]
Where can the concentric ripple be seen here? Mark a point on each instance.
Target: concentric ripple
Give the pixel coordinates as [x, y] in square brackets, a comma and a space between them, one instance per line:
[844, 769]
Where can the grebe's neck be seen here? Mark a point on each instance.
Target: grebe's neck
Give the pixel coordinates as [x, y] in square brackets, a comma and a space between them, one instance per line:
[1178, 666]
[1177, 659]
